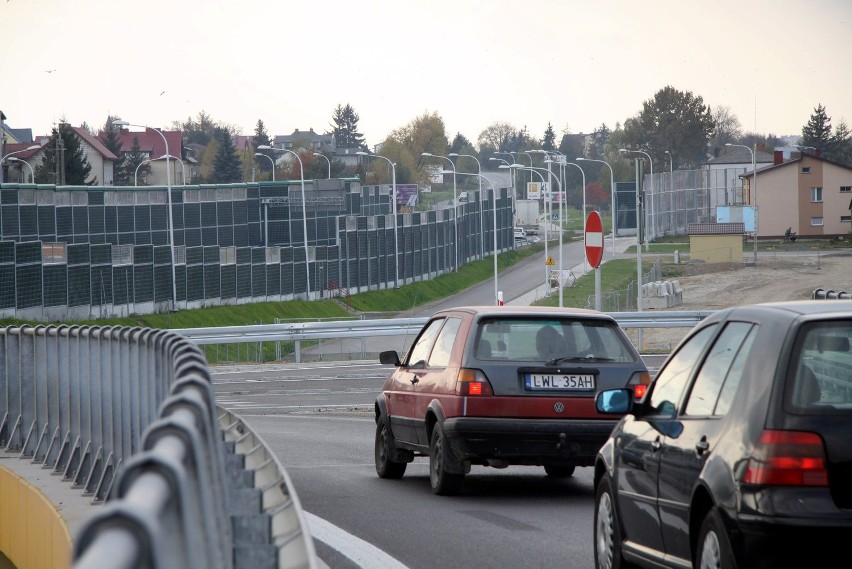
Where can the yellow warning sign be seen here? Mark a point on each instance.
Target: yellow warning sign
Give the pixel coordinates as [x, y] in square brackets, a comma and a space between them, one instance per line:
[549, 262]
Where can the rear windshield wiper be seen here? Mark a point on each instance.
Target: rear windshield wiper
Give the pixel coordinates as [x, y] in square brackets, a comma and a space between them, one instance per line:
[588, 358]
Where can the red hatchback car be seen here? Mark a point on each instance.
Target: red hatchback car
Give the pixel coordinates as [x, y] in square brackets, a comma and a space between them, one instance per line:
[500, 386]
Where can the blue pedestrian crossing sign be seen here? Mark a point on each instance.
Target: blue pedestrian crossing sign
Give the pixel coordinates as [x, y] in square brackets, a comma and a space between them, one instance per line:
[555, 217]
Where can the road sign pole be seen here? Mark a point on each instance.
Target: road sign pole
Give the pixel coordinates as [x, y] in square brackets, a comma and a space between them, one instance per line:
[594, 250]
[597, 288]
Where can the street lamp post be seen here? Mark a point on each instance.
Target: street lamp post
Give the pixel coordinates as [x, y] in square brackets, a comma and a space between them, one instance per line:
[481, 221]
[304, 214]
[583, 174]
[651, 205]
[455, 205]
[136, 171]
[182, 169]
[270, 160]
[559, 185]
[33, 147]
[753, 196]
[638, 249]
[393, 204]
[612, 197]
[671, 179]
[327, 160]
[494, 229]
[539, 174]
[25, 163]
[513, 161]
[119, 122]
[512, 189]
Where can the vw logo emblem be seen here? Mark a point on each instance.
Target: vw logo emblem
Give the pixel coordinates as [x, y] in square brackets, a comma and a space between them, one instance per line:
[558, 407]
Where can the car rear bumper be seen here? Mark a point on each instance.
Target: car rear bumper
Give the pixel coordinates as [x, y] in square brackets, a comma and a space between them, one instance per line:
[527, 441]
[773, 545]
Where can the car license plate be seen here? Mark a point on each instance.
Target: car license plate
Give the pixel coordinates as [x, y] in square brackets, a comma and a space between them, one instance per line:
[579, 381]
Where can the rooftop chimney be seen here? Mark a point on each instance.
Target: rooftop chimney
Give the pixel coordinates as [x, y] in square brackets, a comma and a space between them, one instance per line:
[817, 152]
[778, 157]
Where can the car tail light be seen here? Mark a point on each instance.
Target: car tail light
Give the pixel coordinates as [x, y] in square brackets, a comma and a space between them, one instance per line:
[639, 382]
[787, 458]
[473, 382]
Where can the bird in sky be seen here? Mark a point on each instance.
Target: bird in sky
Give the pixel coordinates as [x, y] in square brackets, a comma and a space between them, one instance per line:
[161, 93]
[47, 70]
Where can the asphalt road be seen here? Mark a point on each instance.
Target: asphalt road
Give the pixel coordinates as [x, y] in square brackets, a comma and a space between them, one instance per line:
[318, 421]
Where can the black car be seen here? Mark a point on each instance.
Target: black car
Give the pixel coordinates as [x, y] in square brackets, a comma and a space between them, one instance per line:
[740, 452]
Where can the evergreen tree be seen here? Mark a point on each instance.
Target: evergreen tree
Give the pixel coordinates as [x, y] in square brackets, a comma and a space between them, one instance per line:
[600, 140]
[345, 127]
[841, 145]
[461, 145]
[817, 133]
[227, 167]
[549, 138]
[261, 137]
[64, 162]
[109, 137]
[134, 173]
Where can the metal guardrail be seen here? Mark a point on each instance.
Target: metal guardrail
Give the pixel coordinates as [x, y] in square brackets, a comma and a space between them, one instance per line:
[823, 294]
[128, 416]
[299, 331]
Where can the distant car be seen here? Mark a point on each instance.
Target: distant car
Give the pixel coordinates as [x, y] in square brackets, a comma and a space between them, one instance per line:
[740, 453]
[501, 386]
[520, 234]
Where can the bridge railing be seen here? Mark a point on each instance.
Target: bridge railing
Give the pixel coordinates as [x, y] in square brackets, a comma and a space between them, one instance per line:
[128, 416]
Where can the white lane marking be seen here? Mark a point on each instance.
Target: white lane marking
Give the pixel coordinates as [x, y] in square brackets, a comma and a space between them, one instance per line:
[294, 379]
[248, 405]
[354, 548]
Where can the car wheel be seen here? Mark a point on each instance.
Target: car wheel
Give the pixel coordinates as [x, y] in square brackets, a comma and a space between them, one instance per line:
[559, 471]
[443, 483]
[607, 531]
[385, 448]
[714, 548]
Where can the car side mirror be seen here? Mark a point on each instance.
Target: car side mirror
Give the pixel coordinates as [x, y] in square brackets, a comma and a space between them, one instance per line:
[614, 401]
[389, 357]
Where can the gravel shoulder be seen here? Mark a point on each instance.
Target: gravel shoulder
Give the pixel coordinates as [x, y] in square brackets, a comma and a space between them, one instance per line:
[775, 277]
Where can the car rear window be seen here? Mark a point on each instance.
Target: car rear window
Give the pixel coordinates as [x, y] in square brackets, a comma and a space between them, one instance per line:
[822, 370]
[542, 339]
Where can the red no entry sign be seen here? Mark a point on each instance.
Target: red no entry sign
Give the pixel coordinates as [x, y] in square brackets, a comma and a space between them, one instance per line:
[594, 239]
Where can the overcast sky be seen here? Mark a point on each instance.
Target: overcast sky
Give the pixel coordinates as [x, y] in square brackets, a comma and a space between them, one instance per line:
[575, 64]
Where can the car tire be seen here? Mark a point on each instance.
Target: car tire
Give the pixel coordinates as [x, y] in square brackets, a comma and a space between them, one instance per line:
[559, 471]
[714, 547]
[607, 538]
[443, 483]
[385, 449]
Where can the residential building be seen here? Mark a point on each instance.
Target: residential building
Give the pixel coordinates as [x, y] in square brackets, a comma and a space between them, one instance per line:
[306, 139]
[101, 159]
[809, 194]
[98, 156]
[727, 168]
[153, 146]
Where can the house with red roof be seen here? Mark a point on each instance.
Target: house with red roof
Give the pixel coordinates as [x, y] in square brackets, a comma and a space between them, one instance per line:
[155, 148]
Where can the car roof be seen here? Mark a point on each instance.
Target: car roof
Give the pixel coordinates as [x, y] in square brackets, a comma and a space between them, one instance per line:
[536, 311]
[795, 308]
